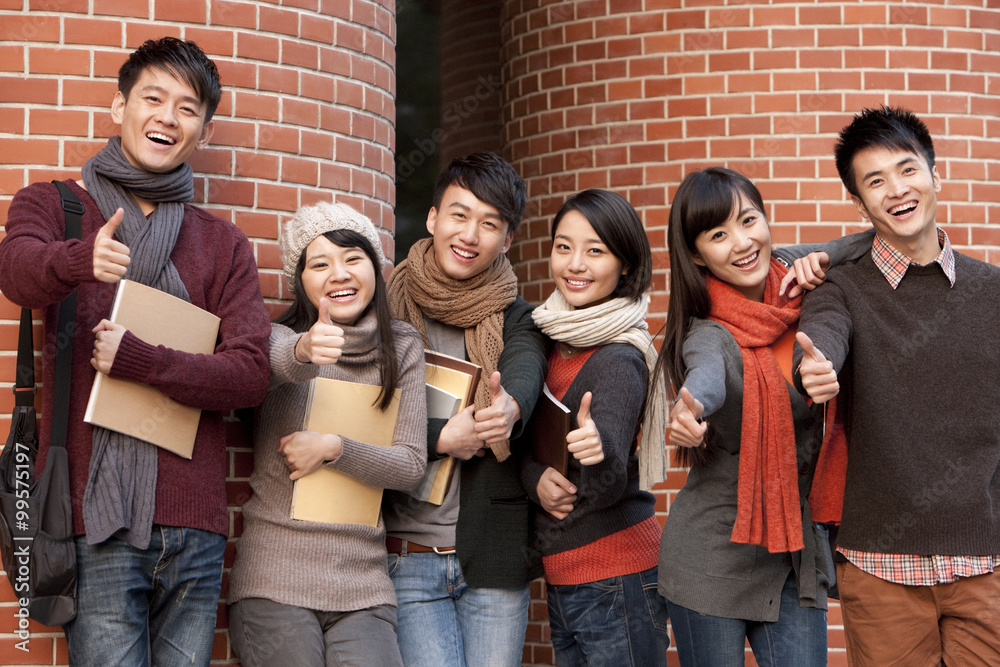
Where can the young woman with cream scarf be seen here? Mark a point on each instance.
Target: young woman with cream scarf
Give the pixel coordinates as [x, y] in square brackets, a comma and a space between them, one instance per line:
[598, 535]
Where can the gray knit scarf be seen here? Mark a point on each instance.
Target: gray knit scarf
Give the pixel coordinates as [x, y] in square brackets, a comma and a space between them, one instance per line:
[121, 484]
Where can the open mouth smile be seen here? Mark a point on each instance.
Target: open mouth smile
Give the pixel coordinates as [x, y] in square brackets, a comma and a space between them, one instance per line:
[161, 139]
[747, 262]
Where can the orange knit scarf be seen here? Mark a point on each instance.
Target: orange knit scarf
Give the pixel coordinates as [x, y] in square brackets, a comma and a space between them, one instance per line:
[768, 506]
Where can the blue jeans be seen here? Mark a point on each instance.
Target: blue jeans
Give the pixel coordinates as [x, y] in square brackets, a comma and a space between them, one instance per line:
[444, 622]
[796, 639]
[155, 606]
[620, 621]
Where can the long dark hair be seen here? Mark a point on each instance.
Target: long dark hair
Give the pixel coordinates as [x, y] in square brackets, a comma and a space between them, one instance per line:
[302, 314]
[704, 200]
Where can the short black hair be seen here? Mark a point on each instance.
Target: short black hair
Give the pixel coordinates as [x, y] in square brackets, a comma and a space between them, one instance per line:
[182, 60]
[885, 127]
[492, 180]
[618, 226]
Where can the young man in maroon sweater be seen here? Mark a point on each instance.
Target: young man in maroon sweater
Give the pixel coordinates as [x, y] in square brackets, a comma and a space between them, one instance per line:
[151, 526]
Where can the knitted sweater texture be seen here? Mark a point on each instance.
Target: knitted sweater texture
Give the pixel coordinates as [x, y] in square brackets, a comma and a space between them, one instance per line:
[326, 567]
[39, 268]
[917, 367]
[608, 494]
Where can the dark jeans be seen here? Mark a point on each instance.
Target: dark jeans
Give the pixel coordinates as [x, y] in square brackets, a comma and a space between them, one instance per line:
[796, 639]
[271, 634]
[621, 621]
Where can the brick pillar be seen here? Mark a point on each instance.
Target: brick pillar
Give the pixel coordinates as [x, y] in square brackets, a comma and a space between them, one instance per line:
[631, 95]
[307, 114]
[470, 78]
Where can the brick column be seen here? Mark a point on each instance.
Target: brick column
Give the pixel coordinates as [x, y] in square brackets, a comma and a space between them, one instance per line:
[631, 95]
[307, 114]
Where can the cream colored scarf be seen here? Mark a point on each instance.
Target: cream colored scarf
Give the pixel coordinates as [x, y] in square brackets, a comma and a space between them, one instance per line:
[616, 321]
[418, 287]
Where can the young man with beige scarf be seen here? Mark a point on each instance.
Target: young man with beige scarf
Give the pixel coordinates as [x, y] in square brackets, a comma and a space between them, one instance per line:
[461, 569]
[151, 526]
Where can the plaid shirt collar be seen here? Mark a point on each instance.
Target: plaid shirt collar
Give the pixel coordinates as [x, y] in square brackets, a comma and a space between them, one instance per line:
[893, 264]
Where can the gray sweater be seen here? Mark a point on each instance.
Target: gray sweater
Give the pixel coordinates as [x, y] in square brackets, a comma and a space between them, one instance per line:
[699, 567]
[327, 567]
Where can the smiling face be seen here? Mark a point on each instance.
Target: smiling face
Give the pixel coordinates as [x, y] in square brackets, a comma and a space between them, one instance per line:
[469, 234]
[586, 273]
[344, 276]
[738, 251]
[162, 121]
[898, 195]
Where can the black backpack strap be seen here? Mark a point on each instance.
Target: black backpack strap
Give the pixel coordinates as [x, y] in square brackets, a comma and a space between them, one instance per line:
[24, 383]
[73, 212]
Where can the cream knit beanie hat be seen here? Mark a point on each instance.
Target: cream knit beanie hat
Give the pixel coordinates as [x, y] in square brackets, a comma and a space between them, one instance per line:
[311, 221]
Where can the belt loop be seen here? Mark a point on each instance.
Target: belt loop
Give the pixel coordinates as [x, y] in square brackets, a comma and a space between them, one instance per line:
[403, 545]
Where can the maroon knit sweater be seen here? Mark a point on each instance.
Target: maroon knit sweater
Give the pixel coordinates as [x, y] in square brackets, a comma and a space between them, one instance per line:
[38, 268]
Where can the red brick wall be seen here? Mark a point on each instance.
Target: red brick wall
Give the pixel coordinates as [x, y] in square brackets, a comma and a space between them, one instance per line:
[307, 113]
[631, 95]
[470, 78]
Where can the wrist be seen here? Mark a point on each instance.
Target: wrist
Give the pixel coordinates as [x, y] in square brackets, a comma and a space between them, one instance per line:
[299, 354]
[334, 446]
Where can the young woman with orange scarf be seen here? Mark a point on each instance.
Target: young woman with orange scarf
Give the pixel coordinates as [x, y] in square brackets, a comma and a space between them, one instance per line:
[741, 557]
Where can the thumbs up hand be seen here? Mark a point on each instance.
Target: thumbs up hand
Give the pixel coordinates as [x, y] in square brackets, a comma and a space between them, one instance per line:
[819, 379]
[584, 442]
[111, 257]
[324, 341]
[496, 422]
[686, 427]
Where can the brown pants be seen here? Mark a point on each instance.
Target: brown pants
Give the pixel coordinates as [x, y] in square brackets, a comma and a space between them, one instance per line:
[890, 625]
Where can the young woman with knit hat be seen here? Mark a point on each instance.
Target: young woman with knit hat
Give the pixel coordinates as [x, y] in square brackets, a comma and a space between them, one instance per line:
[598, 535]
[741, 557]
[302, 592]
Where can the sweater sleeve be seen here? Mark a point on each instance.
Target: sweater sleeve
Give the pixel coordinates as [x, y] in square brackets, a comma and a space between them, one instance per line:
[400, 466]
[618, 385]
[284, 366]
[38, 266]
[844, 249]
[825, 318]
[704, 358]
[522, 363]
[236, 374]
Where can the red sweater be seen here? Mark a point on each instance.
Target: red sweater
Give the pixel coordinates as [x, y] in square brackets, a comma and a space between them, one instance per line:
[38, 268]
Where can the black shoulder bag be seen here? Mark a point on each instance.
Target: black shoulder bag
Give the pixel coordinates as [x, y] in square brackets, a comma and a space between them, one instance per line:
[36, 515]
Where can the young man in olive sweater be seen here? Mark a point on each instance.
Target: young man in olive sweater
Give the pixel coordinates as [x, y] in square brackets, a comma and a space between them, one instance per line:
[911, 329]
[461, 569]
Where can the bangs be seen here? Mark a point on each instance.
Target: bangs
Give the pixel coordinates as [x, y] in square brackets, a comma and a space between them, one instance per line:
[717, 194]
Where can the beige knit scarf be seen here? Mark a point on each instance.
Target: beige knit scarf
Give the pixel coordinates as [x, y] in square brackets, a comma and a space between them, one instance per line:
[616, 321]
[418, 287]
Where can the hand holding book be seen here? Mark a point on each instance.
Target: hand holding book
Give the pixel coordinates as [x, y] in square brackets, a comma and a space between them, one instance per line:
[305, 451]
[556, 494]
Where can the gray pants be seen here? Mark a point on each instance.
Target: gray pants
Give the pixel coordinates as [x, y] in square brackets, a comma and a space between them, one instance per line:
[269, 634]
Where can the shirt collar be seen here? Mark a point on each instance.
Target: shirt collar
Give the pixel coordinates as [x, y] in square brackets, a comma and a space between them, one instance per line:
[893, 263]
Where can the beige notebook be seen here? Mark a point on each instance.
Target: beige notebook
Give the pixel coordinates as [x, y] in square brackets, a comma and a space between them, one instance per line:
[346, 409]
[137, 409]
[455, 376]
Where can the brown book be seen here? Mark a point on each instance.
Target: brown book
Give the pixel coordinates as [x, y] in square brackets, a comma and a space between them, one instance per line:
[550, 423]
[346, 409]
[137, 409]
[459, 378]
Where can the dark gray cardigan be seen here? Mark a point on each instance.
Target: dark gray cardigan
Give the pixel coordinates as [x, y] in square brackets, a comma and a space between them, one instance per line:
[699, 567]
